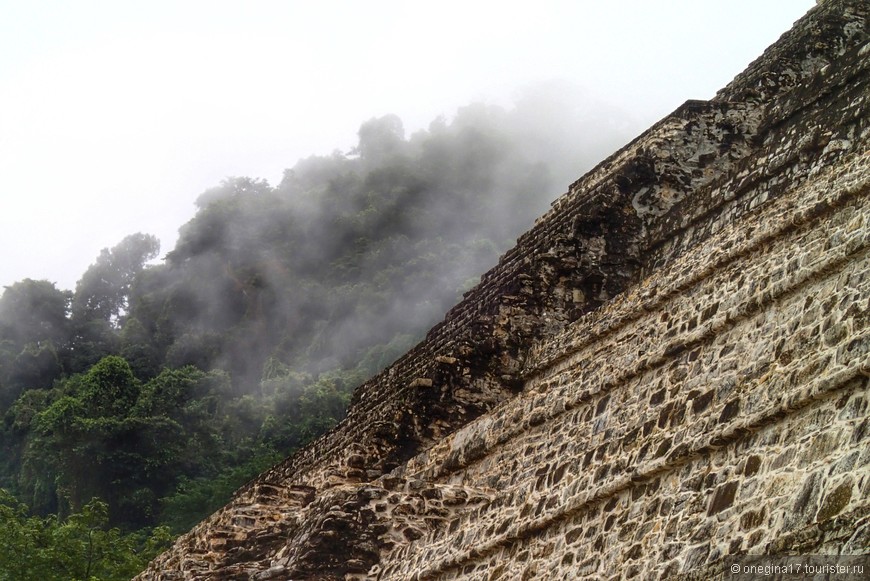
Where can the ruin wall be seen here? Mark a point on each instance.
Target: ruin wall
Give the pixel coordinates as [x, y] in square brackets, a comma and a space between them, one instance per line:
[669, 368]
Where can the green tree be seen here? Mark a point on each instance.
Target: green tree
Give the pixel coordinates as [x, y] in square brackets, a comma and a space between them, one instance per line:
[104, 289]
[34, 332]
[79, 548]
[109, 388]
[32, 311]
[138, 348]
[83, 444]
[101, 300]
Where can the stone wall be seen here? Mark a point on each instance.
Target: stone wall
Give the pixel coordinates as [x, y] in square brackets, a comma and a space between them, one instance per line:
[654, 426]
[669, 368]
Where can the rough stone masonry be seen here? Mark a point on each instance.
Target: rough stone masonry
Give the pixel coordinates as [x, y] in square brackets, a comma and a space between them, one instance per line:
[671, 367]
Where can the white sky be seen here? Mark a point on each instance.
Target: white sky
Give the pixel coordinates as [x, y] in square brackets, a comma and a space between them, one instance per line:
[115, 115]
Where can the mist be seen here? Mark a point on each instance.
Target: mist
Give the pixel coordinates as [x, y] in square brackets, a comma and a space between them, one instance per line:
[339, 267]
[115, 116]
[352, 250]
[247, 339]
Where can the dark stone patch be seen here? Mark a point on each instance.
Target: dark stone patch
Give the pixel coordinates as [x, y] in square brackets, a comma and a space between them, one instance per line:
[559, 472]
[754, 538]
[730, 411]
[753, 463]
[602, 405]
[537, 418]
[678, 453]
[665, 414]
[809, 492]
[861, 431]
[572, 535]
[475, 450]
[692, 483]
[723, 497]
[665, 508]
[844, 464]
[783, 459]
[734, 546]
[709, 311]
[626, 531]
[587, 458]
[752, 519]
[630, 437]
[835, 502]
[647, 427]
[696, 556]
[637, 492]
[634, 552]
[663, 448]
[710, 480]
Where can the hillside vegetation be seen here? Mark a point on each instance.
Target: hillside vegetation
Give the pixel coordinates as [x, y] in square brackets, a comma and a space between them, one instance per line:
[134, 405]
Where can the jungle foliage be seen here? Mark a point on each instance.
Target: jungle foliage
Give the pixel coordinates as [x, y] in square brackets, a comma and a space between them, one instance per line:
[134, 405]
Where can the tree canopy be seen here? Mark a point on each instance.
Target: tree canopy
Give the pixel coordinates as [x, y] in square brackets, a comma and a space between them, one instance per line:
[157, 389]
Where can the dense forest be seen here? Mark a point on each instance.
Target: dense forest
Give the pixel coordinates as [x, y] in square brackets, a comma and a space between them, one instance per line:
[134, 405]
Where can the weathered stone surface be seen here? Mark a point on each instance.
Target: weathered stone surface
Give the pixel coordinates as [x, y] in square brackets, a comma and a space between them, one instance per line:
[671, 367]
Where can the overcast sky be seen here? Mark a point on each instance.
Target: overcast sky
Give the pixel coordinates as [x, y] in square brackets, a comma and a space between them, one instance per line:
[116, 115]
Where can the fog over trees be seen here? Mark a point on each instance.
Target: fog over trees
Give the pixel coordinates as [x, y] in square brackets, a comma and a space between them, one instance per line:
[157, 388]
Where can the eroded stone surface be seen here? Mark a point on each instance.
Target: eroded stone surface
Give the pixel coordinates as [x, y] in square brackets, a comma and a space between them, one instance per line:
[671, 367]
